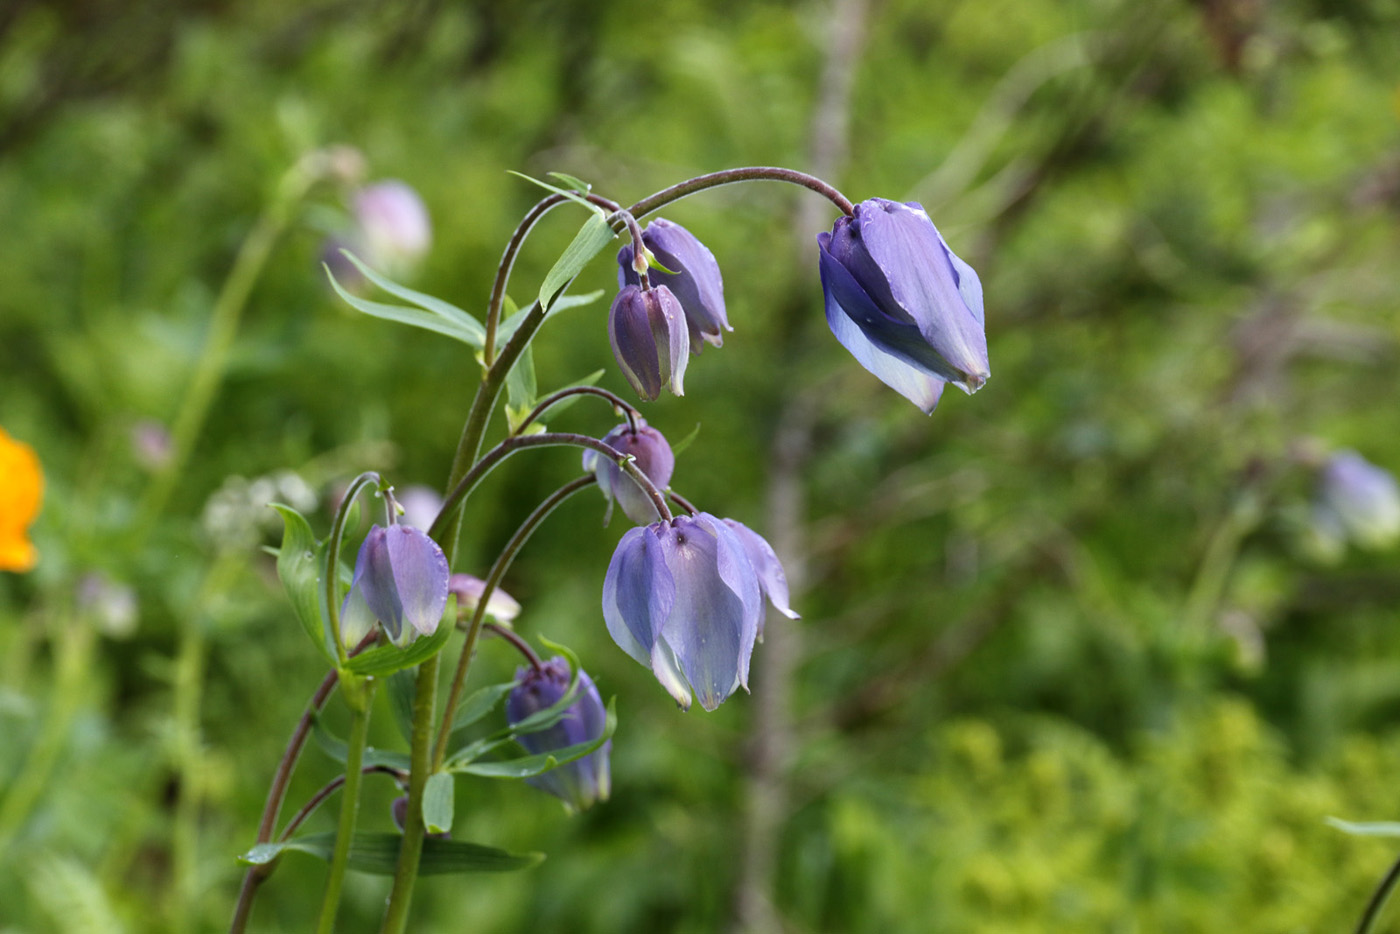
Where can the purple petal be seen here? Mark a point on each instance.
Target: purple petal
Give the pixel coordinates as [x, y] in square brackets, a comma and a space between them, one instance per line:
[374, 579]
[638, 593]
[913, 382]
[633, 345]
[420, 576]
[771, 577]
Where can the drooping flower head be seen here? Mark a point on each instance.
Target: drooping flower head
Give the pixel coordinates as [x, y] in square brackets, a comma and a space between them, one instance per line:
[694, 279]
[771, 578]
[683, 598]
[1358, 501]
[649, 339]
[653, 457]
[587, 780]
[905, 306]
[500, 606]
[400, 577]
[21, 492]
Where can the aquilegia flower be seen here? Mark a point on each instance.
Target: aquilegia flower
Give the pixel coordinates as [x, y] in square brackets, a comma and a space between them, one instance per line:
[905, 306]
[585, 781]
[653, 457]
[1358, 501]
[21, 492]
[683, 598]
[771, 579]
[694, 279]
[400, 577]
[649, 339]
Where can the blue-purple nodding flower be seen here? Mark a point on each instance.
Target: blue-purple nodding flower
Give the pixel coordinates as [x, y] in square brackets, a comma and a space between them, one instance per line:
[905, 306]
[1358, 501]
[649, 339]
[653, 457]
[400, 577]
[683, 598]
[694, 279]
[585, 781]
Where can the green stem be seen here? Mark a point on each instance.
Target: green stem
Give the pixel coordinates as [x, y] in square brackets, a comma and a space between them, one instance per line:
[1214, 573]
[358, 696]
[619, 404]
[411, 851]
[223, 328]
[1378, 899]
[493, 580]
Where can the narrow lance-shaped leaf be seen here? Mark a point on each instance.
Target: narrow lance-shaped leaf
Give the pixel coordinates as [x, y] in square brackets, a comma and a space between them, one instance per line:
[378, 854]
[526, 766]
[386, 659]
[336, 748]
[592, 237]
[438, 802]
[462, 320]
[413, 317]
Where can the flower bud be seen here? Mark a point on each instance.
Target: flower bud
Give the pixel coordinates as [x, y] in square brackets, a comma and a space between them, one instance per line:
[392, 223]
[400, 576]
[906, 307]
[501, 606]
[584, 781]
[649, 339]
[653, 457]
[694, 279]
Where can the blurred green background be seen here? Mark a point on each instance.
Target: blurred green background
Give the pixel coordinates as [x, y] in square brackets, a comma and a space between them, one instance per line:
[1071, 659]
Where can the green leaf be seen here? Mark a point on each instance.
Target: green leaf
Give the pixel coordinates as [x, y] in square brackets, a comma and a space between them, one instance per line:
[402, 689]
[438, 802]
[378, 854]
[520, 388]
[299, 562]
[511, 322]
[526, 766]
[587, 243]
[386, 659]
[1376, 829]
[686, 442]
[572, 181]
[448, 312]
[571, 195]
[472, 334]
[479, 703]
[336, 748]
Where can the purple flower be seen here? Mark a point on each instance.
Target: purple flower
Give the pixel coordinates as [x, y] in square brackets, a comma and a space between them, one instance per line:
[392, 222]
[584, 781]
[500, 606]
[653, 457]
[902, 303]
[649, 339]
[683, 598]
[694, 279]
[771, 579]
[400, 576]
[1358, 501]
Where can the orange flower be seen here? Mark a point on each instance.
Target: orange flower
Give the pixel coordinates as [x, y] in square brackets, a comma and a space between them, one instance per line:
[21, 490]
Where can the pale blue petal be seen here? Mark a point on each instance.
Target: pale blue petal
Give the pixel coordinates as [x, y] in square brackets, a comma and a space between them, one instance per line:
[420, 576]
[709, 623]
[638, 593]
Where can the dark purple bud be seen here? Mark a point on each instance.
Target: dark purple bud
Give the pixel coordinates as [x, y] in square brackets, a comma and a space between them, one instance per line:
[1358, 501]
[771, 579]
[682, 598]
[649, 339]
[587, 780]
[694, 279]
[400, 576]
[652, 455]
[906, 307]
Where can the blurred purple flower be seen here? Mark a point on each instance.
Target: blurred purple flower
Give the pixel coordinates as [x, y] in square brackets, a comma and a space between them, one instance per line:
[584, 781]
[653, 457]
[501, 606]
[1358, 501]
[650, 339]
[151, 444]
[400, 576]
[906, 307]
[421, 505]
[694, 279]
[392, 223]
[683, 598]
[112, 604]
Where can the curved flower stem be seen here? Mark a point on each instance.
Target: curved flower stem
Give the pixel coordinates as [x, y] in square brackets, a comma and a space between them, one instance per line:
[512, 444]
[619, 404]
[682, 502]
[517, 240]
[411, 850]
[514, 639]
[326, 791]
[493, 580]
[729, 176]
[358, 697]
[1378, 899]
[275, 795]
